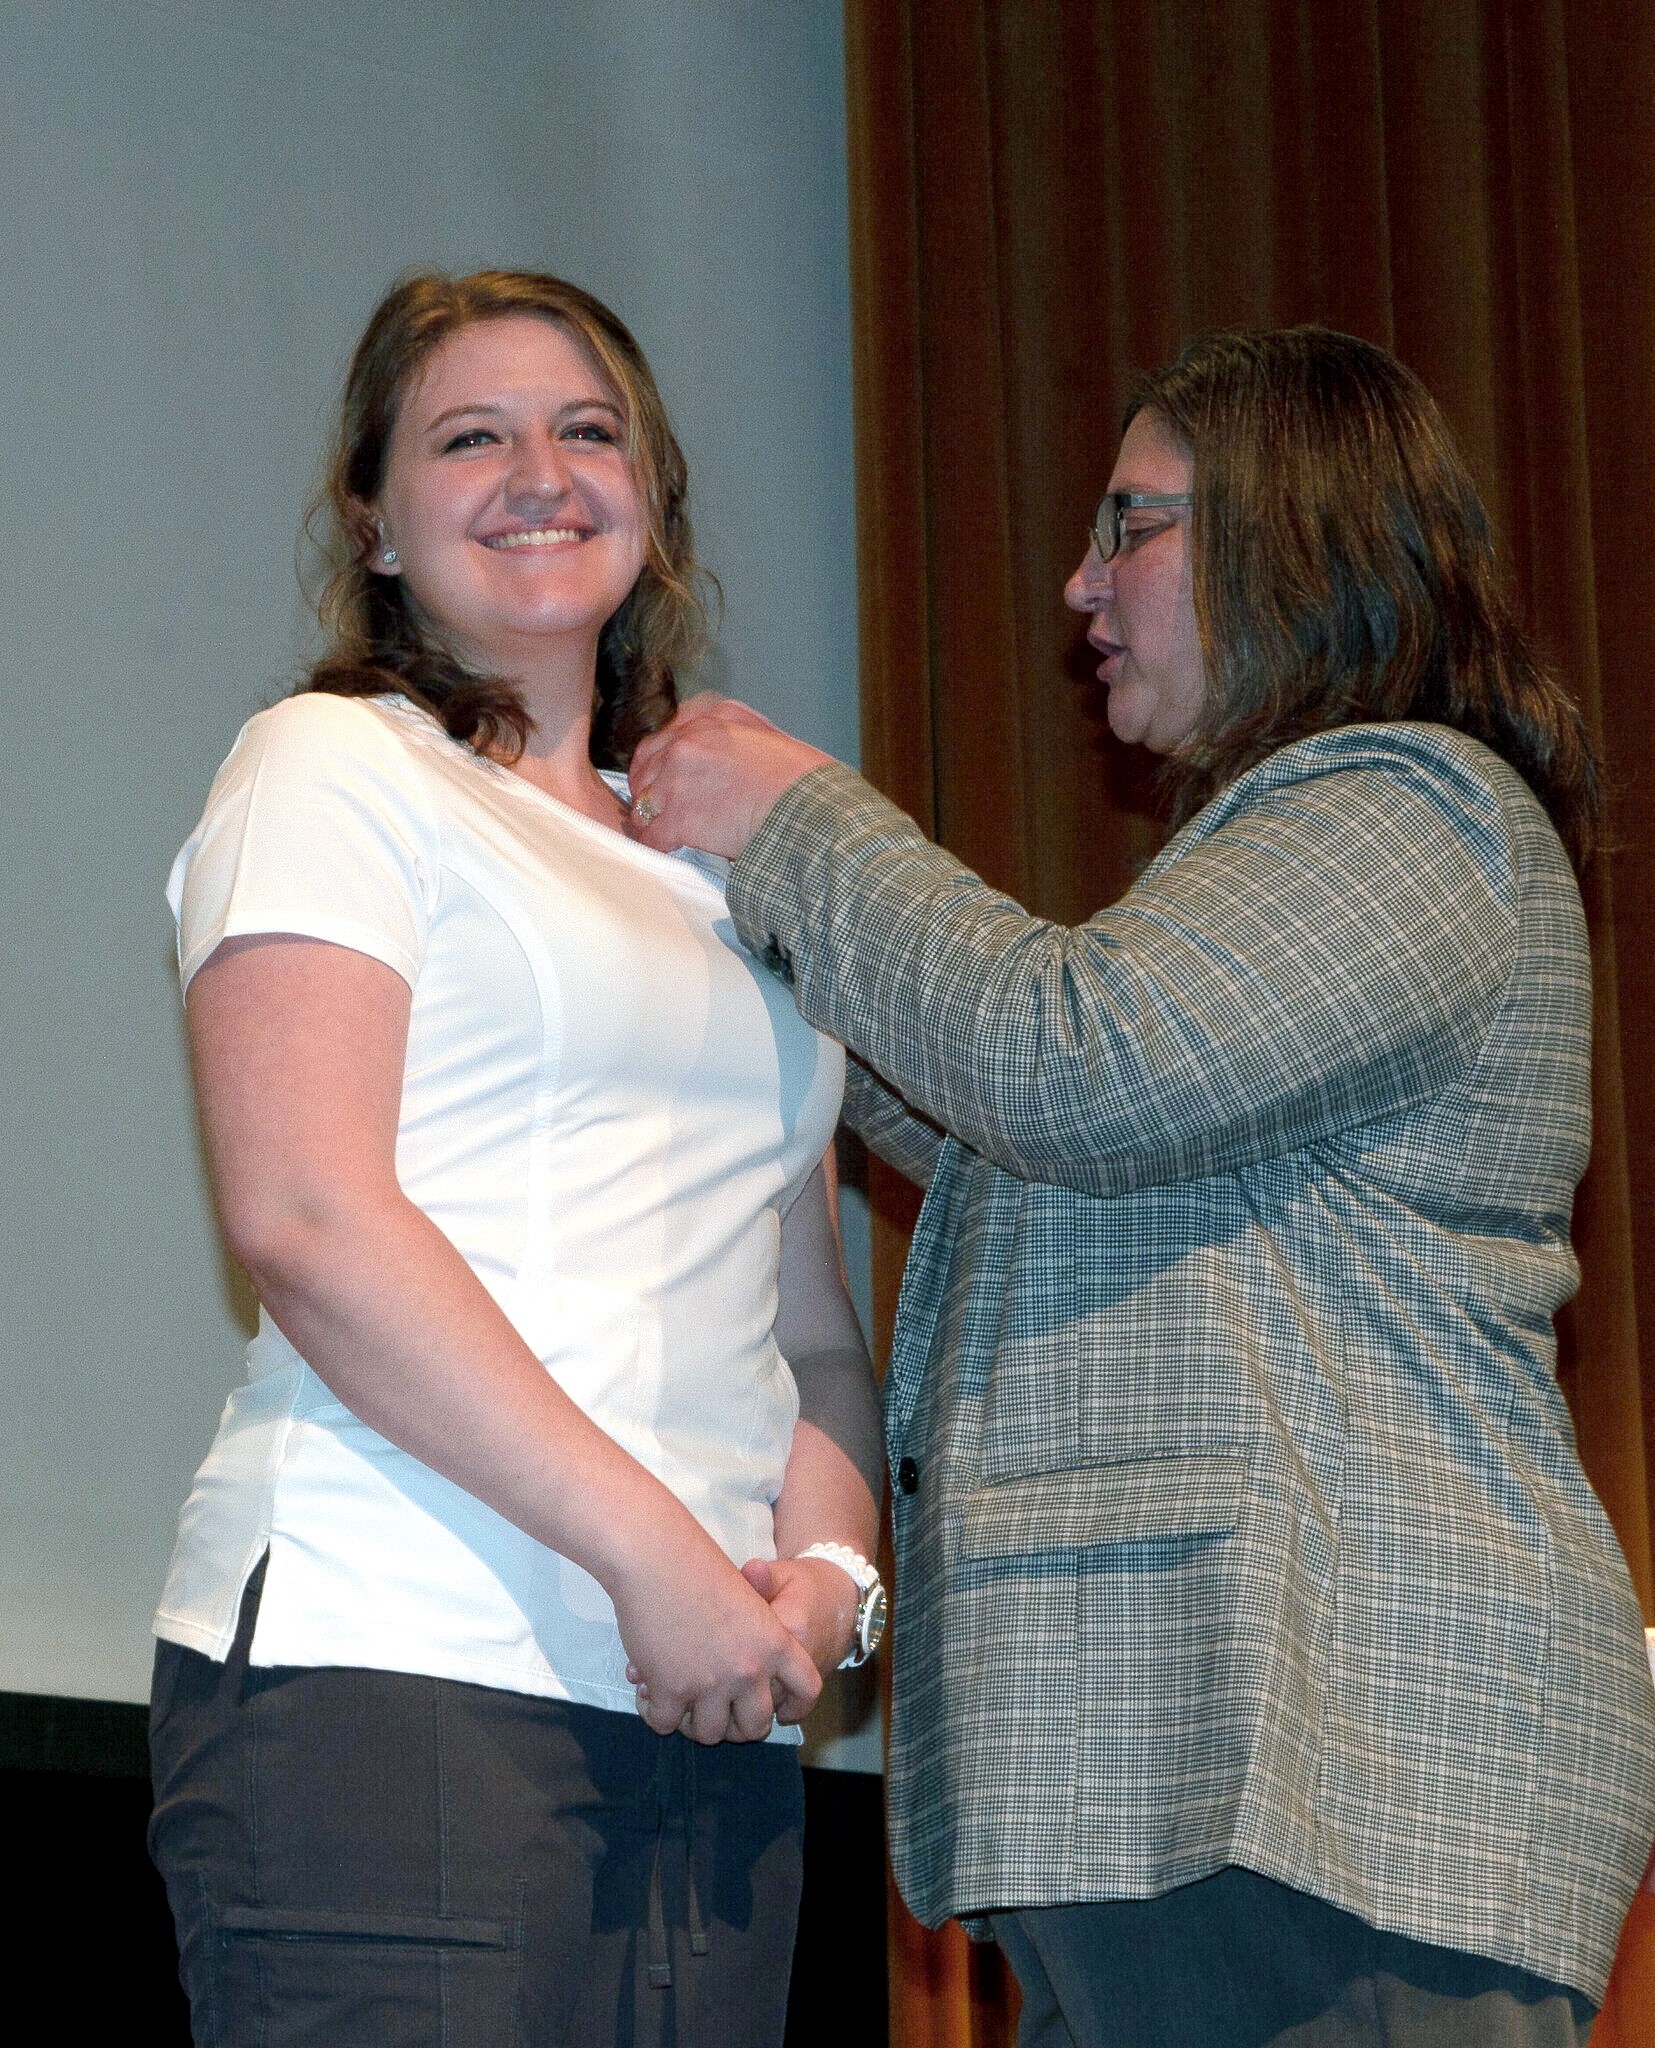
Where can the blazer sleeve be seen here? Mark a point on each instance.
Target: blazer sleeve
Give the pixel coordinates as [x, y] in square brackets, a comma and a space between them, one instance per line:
[886, 1125]
[1322, 948]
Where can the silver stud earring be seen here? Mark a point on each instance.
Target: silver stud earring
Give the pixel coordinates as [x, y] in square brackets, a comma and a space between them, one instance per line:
[388, 556]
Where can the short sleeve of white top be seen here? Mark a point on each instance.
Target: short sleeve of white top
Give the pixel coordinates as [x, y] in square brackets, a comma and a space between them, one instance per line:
[607, 1106]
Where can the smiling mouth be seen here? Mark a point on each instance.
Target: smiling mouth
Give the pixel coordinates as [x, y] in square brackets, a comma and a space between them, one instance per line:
[537, 537]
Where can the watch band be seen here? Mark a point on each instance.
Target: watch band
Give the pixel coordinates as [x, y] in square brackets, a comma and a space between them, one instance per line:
[870, 1605]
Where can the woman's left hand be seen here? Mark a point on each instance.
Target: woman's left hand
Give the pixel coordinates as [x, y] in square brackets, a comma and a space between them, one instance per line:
[710, 777]
[815, 1600]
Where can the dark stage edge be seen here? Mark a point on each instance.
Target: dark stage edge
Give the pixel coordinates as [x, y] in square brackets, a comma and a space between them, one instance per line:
[90, 1918]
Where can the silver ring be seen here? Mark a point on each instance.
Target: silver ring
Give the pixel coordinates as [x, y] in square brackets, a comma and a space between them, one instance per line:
[645, 809]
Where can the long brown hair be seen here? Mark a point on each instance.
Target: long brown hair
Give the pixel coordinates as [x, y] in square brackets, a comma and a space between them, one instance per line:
[1344, 570]
[377, 642]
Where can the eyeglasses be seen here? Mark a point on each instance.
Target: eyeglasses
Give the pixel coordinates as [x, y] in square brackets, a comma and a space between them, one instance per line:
[1107, 533]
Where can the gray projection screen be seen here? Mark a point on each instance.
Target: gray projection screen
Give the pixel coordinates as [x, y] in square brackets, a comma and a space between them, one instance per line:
[202, 203]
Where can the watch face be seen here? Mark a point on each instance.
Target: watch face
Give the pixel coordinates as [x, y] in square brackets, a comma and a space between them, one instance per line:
[873, 1623]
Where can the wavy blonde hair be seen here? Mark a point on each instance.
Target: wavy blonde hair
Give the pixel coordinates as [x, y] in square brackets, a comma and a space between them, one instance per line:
[376, 641]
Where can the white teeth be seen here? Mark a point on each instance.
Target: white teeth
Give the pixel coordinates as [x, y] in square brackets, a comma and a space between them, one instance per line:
[537, 537]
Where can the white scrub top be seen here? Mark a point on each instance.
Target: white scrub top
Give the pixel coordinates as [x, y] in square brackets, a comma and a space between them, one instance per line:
[608, 1106]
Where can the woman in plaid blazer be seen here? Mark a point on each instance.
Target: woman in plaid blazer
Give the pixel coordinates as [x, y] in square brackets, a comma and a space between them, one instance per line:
[1266, 1669]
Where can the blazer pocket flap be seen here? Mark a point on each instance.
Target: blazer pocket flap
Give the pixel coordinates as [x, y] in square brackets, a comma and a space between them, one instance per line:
[1135, 1500]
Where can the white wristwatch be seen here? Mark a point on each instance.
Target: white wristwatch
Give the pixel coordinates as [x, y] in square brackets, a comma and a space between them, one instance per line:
[870, 1606]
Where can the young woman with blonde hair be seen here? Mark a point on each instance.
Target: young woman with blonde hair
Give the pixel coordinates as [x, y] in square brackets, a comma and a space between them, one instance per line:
[549, 1493]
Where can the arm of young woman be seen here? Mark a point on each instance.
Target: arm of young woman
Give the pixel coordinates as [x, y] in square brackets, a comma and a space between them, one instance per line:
[297, 1048]
[830, 1490]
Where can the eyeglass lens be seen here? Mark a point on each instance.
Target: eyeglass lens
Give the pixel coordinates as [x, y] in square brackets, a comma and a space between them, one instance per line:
[1106, 527]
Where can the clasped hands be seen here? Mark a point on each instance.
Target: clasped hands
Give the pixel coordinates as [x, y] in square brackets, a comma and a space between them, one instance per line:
[709, 778]
[719, 1655]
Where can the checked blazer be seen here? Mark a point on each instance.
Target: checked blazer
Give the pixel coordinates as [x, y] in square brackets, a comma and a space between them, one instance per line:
[1238, 1514]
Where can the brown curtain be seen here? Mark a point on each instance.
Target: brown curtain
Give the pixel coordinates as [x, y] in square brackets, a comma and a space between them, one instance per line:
[1047, 197]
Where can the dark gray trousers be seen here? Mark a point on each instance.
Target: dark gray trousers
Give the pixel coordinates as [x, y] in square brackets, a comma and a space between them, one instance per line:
[369, 1859]
[1237, 1961]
